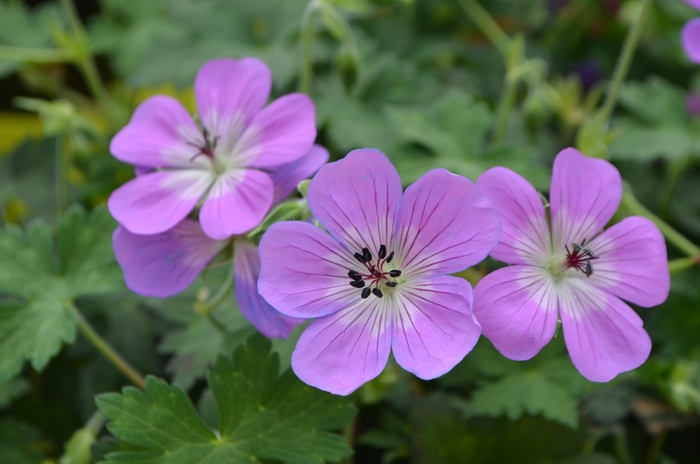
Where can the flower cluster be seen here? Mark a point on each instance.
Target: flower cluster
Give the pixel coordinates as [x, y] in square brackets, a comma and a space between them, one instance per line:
[227, 170]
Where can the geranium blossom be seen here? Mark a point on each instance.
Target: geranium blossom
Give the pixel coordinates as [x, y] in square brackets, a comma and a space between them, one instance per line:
[165, 264]
[690, 36]
[224, 164]
[577, 272]
[377, 281]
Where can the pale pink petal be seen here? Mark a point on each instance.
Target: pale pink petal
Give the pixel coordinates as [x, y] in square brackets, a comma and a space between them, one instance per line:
[632, 262]
[156, 202]
[160, 134]
[444, 225]
[525, 237]
[163, 265]
[229, 94]
[357, 199]
[246, 268]
[433, 326]
[281, 133]
[690, 37]
[605, 337]
[237, 202]
[340, 352]
[517, 309]
[305, 271]
[287, 177]
[584, 196]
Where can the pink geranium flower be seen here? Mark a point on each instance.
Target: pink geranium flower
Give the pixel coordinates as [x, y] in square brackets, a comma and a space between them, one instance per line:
[165, 264]
[576, 272]
[377, 281]
[224, 164]
[690, 36]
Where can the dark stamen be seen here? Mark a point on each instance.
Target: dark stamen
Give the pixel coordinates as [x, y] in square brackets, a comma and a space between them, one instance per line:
[391, 284]
[366, 253]
[361, 258]
[378, 293]
[357, 283]
[390, 257]
[395, 273]
[366, 292]
[382, 252]
[354, 275]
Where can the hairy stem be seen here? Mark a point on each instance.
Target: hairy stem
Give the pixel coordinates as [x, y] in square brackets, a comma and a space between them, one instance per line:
[106, 349]
[61, 179]
[33, 55]
[679, 265]
[487, 24]
[655, 448]
[96, 422]
[625, 60]
[206, 307]
[307, 42]
[674, 172]
[505, 107]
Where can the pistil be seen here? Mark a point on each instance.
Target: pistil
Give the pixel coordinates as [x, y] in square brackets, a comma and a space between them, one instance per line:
[369, 282]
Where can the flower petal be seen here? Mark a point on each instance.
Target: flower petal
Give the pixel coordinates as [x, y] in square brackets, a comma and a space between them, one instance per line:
[525, 237]
[153, 203]
[160, 134]
[229, 94]
[287, 177]
[433, 327]
[163, 265]
[604, 336]
[690, 37]
[584, 196]
[281, 133]
[237, 202]
[265, 318]
[694, 3]
[357, 199]
[340, 352]
[517, 309]
[305, 271]
[632, 262]
[444, 225]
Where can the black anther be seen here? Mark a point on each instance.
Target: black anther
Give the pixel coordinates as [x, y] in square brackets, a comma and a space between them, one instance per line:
[357, 283]
[395, 273]
[391, 284]
[366, 292]
[382, 252]
[361, 258]
[366, 253]
[390, 257]
[354, 275]
[378, 293]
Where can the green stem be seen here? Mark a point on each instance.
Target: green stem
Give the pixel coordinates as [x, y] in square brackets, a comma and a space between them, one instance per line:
[349, 435]
[674, 172]
[621, 446]
[679, 265]
[634, 207]
[625, 60]
[206, 307]
[106, 349]
[487, 24]
[61, 180]
[95, 423]
[505, 107]
[33, 55]
[655, 448]
[307, 42]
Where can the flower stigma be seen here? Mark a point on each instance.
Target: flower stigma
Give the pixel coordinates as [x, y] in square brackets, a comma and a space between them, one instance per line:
[375, 273]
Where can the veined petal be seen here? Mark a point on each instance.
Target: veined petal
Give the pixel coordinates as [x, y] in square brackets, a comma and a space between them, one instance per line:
[584, 196]
[237, 202]
[433, 326]
[517, 309]
[281, 133]
[604, 336]
[632, 262]
[525, 237]
[287, 177]
[305, 271]
[155, 202]
[160, 134]
[163, 265]
[690, 37]
[340, 352]
[444, 225]
[357, 199]
[229, 94]
[265, 318]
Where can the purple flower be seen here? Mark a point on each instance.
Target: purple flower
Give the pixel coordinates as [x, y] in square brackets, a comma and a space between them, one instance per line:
[690, 36]
[225, 163]
[577, 273]
[165, 264]
[377, 282]
[692, 104]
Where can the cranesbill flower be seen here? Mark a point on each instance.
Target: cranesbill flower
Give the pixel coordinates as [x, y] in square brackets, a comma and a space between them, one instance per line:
[377, 281]
[573, 271]
[690, 36]
[165, 264]
[224, 164]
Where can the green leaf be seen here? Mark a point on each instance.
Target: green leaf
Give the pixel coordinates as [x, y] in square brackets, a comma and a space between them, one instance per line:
[11, 389]
[655, 101]
[41, 280]
[18, 443]
[261, 416]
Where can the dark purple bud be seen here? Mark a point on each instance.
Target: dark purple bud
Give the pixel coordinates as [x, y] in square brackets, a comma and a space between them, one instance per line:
[366, 292]
[378, 293]
[395, 273]
[692, 104]
[382, 252]
[357, 283]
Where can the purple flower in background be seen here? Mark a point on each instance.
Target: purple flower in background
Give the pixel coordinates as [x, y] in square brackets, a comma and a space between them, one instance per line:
[165, 264]
[690, 36]
[589, 72]
[377, 282]
[577, 272]
[692, 104]
[225, 162]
